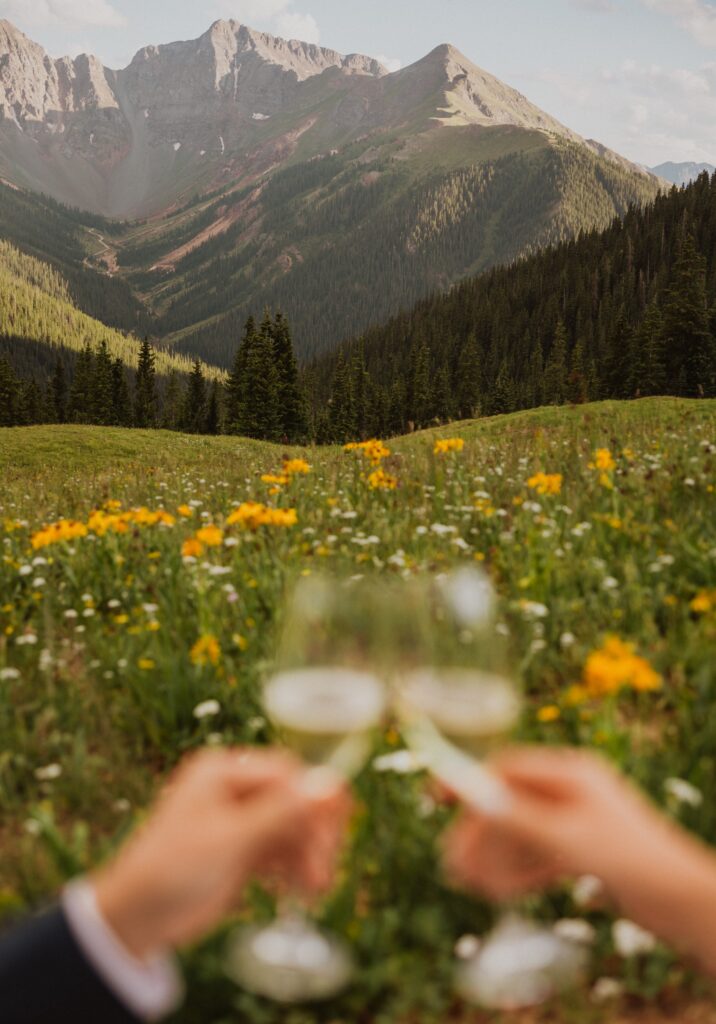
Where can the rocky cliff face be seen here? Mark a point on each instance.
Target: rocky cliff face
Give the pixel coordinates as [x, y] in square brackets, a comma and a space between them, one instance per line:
[229, 106]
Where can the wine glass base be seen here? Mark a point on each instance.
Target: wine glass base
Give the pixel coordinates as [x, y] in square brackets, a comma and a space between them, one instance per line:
[520, 965]
[290, 961]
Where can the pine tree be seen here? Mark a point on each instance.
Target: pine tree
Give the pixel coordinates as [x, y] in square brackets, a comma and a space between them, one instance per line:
[102, 387]
[80, 400]
[292, 402]
[535, 376]
[442, 395]
[237, 384]
[9, 395]
[577, 388]
[362, 395]
[341, 416]
[554, 380]
[194, 417]
[468, 379]
[420, 389]
[651, 377]
[619, 371]
[29, 405]
[261, 415]
[145, 394]
[687, 332]
[503, 393]
[58, 393]
[172, 410]
[213, 411]
[121, 401]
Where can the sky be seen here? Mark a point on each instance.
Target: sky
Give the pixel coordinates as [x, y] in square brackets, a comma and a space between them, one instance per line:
[638, 75]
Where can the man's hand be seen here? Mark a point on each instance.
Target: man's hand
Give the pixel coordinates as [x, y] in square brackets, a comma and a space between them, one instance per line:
[225, 817]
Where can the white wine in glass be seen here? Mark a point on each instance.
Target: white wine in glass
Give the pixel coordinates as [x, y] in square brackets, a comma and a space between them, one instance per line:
[327, 715]
[326, 703]
[456, 709]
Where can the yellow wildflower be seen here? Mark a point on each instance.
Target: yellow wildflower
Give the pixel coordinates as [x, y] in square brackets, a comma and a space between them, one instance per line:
[294, 467]
[211, 536]
[375, 451]
[192, 548]
[546, 483]
[448, 444]
[615, 666]
[252, 515]
[206, 651]
[379, 480]
[146, 664]
[549, 713]
[604, 460]
[186, 511]
[703, 603]
[56, 533]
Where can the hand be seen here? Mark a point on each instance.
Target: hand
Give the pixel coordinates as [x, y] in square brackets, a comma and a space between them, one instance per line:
[225, 817]
[571, 813]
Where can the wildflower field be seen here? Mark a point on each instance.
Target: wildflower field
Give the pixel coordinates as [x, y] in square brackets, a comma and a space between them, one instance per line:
[141, 577]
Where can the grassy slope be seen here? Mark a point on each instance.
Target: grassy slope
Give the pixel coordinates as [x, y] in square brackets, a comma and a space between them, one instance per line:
[112, 737]
[56, 458]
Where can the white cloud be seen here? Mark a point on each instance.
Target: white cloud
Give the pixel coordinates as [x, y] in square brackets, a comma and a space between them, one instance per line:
[391, 63]
[646, 112]
[278, 16]
[698, 17]
[99, 13]
[293, 25]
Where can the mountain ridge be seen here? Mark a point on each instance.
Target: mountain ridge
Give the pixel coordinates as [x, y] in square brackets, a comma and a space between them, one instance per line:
[191, 113]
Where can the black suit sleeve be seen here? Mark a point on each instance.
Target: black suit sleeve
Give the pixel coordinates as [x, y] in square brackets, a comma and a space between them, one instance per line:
[45, 979]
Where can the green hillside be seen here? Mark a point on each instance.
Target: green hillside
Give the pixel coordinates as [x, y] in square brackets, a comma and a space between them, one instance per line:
[623, 313]
[343, 242]
[70, 240]
[39, 319]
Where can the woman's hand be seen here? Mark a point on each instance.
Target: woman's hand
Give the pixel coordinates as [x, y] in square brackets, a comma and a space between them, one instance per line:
[225, 817]
[570, 813]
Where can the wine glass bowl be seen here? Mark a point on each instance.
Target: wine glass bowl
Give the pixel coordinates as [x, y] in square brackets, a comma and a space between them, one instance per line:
[325, 702]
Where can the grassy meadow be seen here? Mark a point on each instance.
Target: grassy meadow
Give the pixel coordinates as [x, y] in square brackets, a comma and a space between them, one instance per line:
[141, 576]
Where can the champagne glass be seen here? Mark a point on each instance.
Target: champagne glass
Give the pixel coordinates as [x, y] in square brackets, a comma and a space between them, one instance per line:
[457, 703]
[326, 702]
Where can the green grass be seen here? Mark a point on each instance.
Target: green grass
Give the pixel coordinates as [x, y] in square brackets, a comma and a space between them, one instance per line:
[107, 689]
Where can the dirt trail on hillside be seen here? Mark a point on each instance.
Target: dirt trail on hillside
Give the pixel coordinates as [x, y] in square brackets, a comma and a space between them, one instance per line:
[107, 255]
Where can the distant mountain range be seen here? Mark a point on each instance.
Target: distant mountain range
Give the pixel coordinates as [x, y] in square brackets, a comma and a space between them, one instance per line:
[252, 170]
[683, 173]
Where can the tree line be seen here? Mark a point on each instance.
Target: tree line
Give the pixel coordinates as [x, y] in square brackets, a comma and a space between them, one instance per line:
[623, 313]
[263, 396]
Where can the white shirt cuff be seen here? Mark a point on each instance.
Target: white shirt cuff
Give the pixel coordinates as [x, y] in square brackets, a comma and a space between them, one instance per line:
[149, 989]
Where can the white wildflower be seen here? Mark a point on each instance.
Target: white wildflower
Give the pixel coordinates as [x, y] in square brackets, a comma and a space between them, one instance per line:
[606, 989]
[574, 929]
[587, 889]
[467, 947]
[207, 709]
[49, 773]
[631, 939]
[682, 792]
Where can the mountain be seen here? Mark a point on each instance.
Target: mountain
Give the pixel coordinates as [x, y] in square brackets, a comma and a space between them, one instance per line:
[683, 173]
[629, 312]
[251, 170]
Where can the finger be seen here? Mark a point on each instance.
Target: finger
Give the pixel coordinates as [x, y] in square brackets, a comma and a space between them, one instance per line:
[552, 772]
